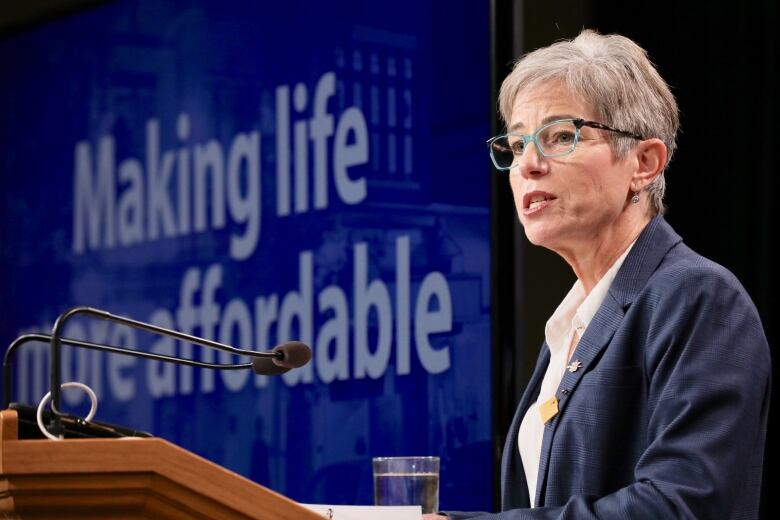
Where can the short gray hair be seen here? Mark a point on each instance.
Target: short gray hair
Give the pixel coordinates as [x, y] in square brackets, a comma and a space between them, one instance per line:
[613, 75]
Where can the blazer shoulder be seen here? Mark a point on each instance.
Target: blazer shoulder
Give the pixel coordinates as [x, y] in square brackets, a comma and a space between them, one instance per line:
[689, 292]
[682, 269]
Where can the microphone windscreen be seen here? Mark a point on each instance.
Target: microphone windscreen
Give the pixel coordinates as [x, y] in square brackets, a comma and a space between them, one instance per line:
[266, 367]
[296, 354]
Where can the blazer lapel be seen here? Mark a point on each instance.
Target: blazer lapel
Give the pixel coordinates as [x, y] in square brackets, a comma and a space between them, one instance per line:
[596, 338]
[653, 244]
[513, 482]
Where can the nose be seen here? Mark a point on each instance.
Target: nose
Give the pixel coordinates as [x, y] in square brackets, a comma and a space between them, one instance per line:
[531, 163]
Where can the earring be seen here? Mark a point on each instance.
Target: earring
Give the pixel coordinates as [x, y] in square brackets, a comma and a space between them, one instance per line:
[635, 198]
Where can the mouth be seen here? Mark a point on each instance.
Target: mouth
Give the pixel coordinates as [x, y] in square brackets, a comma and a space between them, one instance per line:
[536, 200]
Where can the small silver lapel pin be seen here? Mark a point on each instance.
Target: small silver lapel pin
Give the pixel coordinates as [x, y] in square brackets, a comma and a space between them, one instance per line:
[574, 366]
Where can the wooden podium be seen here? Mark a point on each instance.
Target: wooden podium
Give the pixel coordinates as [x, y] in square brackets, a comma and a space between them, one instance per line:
[123, 479]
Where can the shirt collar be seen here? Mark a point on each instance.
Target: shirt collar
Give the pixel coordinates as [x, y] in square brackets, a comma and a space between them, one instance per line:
[577, 310]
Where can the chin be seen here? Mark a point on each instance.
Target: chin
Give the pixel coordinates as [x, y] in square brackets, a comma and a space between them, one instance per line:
[538, 237]
[541, 235]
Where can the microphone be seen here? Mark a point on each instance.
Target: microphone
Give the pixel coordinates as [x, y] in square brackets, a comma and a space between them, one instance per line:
[288, 357]
[266, 365]
[294, 354]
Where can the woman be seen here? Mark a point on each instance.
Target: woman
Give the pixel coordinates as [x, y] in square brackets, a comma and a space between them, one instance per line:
[650, 395]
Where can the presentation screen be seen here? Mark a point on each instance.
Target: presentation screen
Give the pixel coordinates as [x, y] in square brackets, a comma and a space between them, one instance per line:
[252, 173]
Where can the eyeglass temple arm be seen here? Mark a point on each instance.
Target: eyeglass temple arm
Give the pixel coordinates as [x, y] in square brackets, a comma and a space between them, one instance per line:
[579, 123]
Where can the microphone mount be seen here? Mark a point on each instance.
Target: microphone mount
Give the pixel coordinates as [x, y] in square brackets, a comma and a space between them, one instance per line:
[46, 338]
[271, 363]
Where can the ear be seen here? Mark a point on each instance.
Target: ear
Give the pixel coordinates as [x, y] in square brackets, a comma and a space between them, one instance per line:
[650, 156]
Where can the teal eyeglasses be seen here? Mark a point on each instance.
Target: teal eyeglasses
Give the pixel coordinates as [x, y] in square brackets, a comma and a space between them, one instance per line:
[554, 139]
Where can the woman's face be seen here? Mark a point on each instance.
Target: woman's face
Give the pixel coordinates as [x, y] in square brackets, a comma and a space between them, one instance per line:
[565, 203]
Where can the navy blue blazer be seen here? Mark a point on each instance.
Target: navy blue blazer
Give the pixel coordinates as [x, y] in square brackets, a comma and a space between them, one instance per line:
[667, 416]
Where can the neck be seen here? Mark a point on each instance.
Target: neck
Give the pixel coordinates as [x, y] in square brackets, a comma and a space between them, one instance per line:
[592, 257]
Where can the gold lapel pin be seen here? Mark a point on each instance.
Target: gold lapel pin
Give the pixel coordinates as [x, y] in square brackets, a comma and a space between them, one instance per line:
[548, 409]
[574, 366]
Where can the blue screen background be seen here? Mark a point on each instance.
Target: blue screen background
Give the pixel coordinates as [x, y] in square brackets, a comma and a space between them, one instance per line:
[211, 72]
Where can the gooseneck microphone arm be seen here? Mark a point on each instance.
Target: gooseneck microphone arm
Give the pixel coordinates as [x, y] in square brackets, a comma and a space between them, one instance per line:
[46, 338]
[276, 356]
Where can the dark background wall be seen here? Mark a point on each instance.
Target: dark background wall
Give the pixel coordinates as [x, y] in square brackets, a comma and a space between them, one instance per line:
[721, 62]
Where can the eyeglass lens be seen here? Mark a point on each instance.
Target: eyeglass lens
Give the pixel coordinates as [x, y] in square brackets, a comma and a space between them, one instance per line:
[552, 140]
